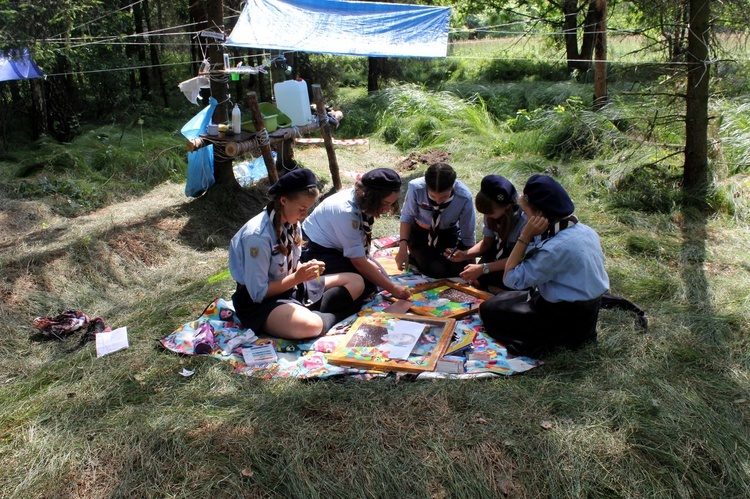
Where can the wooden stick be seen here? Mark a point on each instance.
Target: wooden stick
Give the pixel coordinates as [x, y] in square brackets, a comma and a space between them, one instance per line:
[325, 130]
[260, 127]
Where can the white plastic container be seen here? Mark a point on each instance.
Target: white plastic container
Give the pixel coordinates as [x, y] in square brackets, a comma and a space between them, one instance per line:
[236, 120]
[292, 100]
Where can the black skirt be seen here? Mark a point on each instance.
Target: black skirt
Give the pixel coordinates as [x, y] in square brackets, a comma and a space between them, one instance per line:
[527, 324]
[429, 259]
[253, 315]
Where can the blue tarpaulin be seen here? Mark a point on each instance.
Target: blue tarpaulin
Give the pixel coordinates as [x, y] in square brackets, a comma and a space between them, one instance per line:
[346, 28]
[18, 68]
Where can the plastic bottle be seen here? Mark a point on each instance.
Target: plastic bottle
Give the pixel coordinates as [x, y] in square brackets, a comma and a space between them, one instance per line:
[236, 120]
[292, 100]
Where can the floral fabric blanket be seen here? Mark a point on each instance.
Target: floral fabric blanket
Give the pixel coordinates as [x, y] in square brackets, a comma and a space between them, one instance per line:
[217, 333]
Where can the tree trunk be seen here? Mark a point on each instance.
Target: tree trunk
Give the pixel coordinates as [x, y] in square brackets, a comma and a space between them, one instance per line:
[154, 53]
[579, 59]
[600, 56]
[38, 108]
[223, 173]
[695, 174]
[143, 71]
[374, 69]
[198, 16]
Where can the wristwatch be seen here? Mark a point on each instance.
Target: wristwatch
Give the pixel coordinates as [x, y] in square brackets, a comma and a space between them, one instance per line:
[485, 269]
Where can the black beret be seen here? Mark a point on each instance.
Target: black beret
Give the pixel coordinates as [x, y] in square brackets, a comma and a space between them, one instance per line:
[549, 196]
[382, 178]
[296, 180]
[499, 189]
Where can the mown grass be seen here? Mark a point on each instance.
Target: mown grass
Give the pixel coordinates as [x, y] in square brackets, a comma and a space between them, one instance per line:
[658, 414]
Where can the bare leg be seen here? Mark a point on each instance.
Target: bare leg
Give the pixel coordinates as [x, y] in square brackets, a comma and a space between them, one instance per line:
[293, 322]
[351, 281]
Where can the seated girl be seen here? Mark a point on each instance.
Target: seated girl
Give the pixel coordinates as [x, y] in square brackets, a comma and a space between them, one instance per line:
[497, 200]
[339, 230]
[276, 294]
[561, 261]
[437, 220]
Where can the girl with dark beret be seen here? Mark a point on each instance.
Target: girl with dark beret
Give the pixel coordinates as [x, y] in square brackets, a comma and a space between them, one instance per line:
[339, 230]
[437, 220]
[561, 261]
[276, 293]
[504, 219]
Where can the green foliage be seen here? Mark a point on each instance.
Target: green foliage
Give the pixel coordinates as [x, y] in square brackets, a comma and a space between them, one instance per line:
[649, 188]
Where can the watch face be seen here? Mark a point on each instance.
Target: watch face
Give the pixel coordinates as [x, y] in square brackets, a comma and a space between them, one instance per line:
[486, 269]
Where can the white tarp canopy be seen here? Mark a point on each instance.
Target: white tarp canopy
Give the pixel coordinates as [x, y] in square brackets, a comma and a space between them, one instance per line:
[346, 28]
[18, 67]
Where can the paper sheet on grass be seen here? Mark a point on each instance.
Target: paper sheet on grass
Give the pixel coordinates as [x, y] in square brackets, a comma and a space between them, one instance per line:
[111, 341]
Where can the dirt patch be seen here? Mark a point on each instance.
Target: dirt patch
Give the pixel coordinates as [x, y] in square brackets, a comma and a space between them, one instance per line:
[139, 246]
[415, 160]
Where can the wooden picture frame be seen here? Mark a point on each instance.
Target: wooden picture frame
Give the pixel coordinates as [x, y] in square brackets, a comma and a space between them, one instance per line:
[423, 294]
[366, 346]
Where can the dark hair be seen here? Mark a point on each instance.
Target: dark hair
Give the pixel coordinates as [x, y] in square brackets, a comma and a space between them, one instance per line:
[370, 199]
[275, 204]
[440, 177]
[503, 225]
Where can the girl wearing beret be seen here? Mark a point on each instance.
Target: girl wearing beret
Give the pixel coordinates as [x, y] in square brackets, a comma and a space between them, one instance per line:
[339, 230]
[276, 294]
[437, 221]
[497, 200]
[561, 261]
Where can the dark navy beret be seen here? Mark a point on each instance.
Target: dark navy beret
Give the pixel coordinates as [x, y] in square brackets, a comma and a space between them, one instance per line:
[498, 188]
[548, 196]
[382, 178]
[296, 180]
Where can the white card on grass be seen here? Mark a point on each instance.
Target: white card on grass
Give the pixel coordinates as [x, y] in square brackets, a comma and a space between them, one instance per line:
[111, 341]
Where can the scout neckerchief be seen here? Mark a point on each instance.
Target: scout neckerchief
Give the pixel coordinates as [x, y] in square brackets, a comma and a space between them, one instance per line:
[499, 241]
[437, 213]
[367, 221]
[563, 224]
[286, 238]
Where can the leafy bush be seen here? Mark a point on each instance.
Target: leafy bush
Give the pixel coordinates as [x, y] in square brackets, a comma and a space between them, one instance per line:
[648, 188]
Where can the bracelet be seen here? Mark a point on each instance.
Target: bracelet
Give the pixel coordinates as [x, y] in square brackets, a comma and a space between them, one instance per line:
[402, 240]
[519, 240]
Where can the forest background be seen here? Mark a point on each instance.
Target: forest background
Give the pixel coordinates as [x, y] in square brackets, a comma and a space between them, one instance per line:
[94, 218]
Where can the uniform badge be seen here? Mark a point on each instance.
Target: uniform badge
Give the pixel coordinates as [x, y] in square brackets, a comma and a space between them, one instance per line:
[254, 252]
[355, 224]
[500, 198]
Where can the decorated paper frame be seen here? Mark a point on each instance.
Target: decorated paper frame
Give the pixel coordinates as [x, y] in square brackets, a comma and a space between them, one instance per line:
[364, 346]
[429, 299]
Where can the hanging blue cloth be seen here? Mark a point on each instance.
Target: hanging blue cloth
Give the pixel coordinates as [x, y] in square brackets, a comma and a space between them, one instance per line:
[200, 174]
[350, 28]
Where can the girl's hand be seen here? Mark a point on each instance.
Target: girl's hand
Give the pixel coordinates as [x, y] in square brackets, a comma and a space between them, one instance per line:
[458, 255]
[471, 273]
[401, 257]
[309, 270]
[535, 226]
[401, 292]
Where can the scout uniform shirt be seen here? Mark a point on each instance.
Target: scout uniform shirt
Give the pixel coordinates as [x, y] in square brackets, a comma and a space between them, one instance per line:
[519, 219]
[460, 212]
[254, 256]
[336, 223]
[566, 267]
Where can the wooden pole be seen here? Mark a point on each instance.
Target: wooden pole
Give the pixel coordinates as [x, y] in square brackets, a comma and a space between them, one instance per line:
[600, 56]
[260, 128]
[325, 130]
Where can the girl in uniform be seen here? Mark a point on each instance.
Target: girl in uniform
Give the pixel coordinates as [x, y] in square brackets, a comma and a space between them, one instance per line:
[437, 220]
[276, 294]
[339, 230]
[561, 260]
[504, 219]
